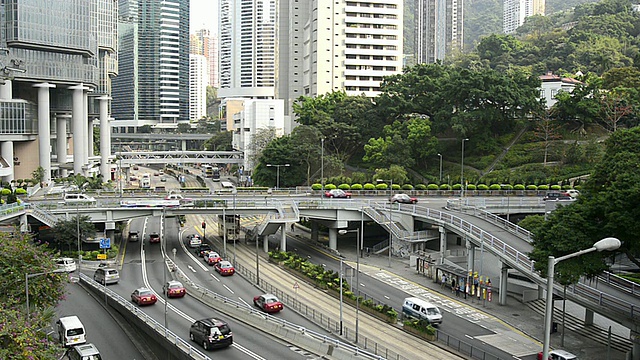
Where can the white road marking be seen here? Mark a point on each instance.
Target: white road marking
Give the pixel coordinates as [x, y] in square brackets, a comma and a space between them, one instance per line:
[215, 277]
[191, 268]
[226, 287]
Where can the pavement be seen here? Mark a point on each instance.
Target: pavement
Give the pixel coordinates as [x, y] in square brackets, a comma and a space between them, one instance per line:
[518, 327]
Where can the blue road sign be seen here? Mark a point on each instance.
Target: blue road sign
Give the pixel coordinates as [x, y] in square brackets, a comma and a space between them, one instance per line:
[105, 243]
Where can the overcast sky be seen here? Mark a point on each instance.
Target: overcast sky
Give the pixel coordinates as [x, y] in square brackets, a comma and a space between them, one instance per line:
[204, 14]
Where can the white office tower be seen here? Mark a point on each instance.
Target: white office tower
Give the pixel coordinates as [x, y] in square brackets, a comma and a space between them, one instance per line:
[515, 11]
[351, 45]
[205, 43]
[439, 29]
[247, 48]
[198, 78]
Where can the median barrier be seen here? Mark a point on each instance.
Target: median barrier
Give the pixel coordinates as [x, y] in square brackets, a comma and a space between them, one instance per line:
[301, 337]
[159, 339]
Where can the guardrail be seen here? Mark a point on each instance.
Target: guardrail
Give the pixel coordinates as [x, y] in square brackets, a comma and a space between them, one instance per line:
[159, 329]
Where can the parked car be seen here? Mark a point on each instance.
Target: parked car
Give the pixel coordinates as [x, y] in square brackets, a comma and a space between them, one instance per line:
[211, 333]
[174, 289]
[154, 237]
[269, 303]
[224, 268]
[212, 258]
[559, 355]
[557, 195]
[200, 250]
[403, 199]
[143, 296]
[106, 275]
[194, 241]
[337, 193]
[67, 264]
[134, 235]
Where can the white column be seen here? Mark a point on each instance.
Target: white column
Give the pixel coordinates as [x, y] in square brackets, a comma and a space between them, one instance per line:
[6, 149]
[283, 238]
[105, 138]
[44, 129]
[78, 126]
[6, 91]
[333, 239]
[90, 140]
[86, 128]
[61, 138]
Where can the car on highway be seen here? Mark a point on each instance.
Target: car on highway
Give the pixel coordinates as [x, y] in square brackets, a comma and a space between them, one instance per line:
[403, 199]
[224, 268]
[174, 288]
[105, 275]
[78, 199]
[200, 250]
[269, 303]
[559, 355]
[212, 258]
[573, 193]
[212, 333]
[337, 193]
[143, 296]
[154, 237]
[194, 240]
[67, 264]
[134, 235]
[557, 195]
[163, 179]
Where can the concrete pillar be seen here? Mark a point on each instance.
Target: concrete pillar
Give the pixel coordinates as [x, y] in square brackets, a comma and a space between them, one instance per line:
[44, 129]
[24, 224]
[77, 126]
[314, 231]
[471, 255]
[90, 150]
[504, 273]
[6, 149]
[443, 243]
[265, 244]
[635, 340]
[86, 145]
[61, 138]
[283, 237]
[333, 239]
[588, 317]
[183, 145]
[6, 90]
[105, 138]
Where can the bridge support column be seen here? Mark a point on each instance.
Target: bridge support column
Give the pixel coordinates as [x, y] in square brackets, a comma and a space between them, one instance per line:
[471, 256]
[6, 150]
[265, 243]
[24, 224]
[61, 141]
[314, 231]
[333, 239]
[504, 276]
[443, 243]
[183, 145]
[283, 237]
[105, 139]
[635, 341]
[588, 317]
[44, 130]
[78, 123]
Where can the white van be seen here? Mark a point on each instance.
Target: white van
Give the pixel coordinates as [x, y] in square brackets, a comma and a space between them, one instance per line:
[71, 331]
[66, 264]
[421, 309]
[72, 199]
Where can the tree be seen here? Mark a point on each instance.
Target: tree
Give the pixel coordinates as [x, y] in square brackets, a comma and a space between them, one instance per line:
[221, 141]
[613, 108]
[66, 231]
[184, 128]
[38, 175]
[546, 130]
[145, 129]
[22, 337]
[259, 141]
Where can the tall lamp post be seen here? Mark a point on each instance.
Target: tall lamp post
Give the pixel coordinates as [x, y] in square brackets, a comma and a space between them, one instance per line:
[26, 283]
[278, 173]
[606, 244]
[440, 155]
[359, 237]
[322, 170]
[390, 234]
[462, 169]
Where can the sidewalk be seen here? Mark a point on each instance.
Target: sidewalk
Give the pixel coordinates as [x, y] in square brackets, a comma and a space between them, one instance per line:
[521, 323]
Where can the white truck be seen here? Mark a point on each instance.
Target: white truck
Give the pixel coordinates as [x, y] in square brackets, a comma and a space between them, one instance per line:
[150, 203]
[145, 181]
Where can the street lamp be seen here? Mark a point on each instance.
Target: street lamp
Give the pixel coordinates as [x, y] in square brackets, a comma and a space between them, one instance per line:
[606, 244]
[462, 169]
[390, 196]
[26, 282]
[440, 169]
[278, 173]
[322, 170]
[359, 237]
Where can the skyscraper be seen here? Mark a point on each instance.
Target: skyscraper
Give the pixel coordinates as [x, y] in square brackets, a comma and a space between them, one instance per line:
[438, 29]
[198, 78]
[205, 43]
[515, 11]
[162, 55]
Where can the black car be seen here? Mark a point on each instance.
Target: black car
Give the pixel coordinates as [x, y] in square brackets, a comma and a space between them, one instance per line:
[200, 250]
[557, 195]
[211, 333]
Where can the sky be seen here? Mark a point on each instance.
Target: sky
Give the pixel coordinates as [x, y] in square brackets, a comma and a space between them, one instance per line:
[204, 14]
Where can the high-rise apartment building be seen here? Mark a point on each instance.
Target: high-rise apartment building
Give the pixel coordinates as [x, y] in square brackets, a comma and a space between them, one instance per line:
[57, 59]
[162, 55]
[351, 45]
[247, 48]
[205, 43]
[198, 78]
[438, 29]
[515, 11]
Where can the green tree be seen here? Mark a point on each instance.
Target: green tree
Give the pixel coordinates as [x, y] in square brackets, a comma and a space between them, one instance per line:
[183, 128]
[23, 337]
[145, 129]
[221, 141]
[38, 175]
[66, 231]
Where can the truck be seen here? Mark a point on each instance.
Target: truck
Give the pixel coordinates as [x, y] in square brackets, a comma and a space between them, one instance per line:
[160, 203]
[145, 181]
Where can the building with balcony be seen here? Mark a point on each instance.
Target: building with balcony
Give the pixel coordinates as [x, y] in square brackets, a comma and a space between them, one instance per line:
[198, 78]
[439, 29]
[515, 11]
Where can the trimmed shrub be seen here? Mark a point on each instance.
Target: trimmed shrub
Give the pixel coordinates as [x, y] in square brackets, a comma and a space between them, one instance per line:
[316, 187]
[433, 187]
[555, 187]
[421, 187]
[369, 186]
[495, 187]
[483, 187]
[456, 187]
[532, 187]
[506, 187]
[407, 187]
[395, 187]
[382, 186]
[20, 191]
[445, 187]
[518, 187]
[471, 187]
[329, 186]
[543, 187]
[344, 187]
[356, 187]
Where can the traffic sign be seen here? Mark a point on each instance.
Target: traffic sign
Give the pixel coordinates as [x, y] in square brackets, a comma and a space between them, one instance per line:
[105, 243]
[296, 286]
[101, 256]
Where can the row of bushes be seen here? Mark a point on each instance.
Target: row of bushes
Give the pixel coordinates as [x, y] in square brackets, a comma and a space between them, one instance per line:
[384, 186]
[92, 255]
[327, 279]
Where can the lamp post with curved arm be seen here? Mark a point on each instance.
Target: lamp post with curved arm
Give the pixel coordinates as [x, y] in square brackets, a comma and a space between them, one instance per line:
[278, 173]
[390, 196]
[462, 170]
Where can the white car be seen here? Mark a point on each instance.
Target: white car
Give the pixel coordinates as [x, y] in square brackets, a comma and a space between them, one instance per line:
[195, 241]
[573, 193]
[66, 264]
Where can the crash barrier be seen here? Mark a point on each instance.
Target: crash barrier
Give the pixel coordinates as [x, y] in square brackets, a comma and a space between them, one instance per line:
[172, 346]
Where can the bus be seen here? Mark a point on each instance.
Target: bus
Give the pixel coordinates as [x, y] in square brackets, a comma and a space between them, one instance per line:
[207, 171]
[215, 174]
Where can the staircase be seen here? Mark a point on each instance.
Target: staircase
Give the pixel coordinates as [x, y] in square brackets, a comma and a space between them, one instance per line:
[41, 215]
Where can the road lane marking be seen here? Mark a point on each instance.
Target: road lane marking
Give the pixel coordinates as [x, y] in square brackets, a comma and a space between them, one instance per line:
[213, 276]
[191, 268]
[226, 287]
